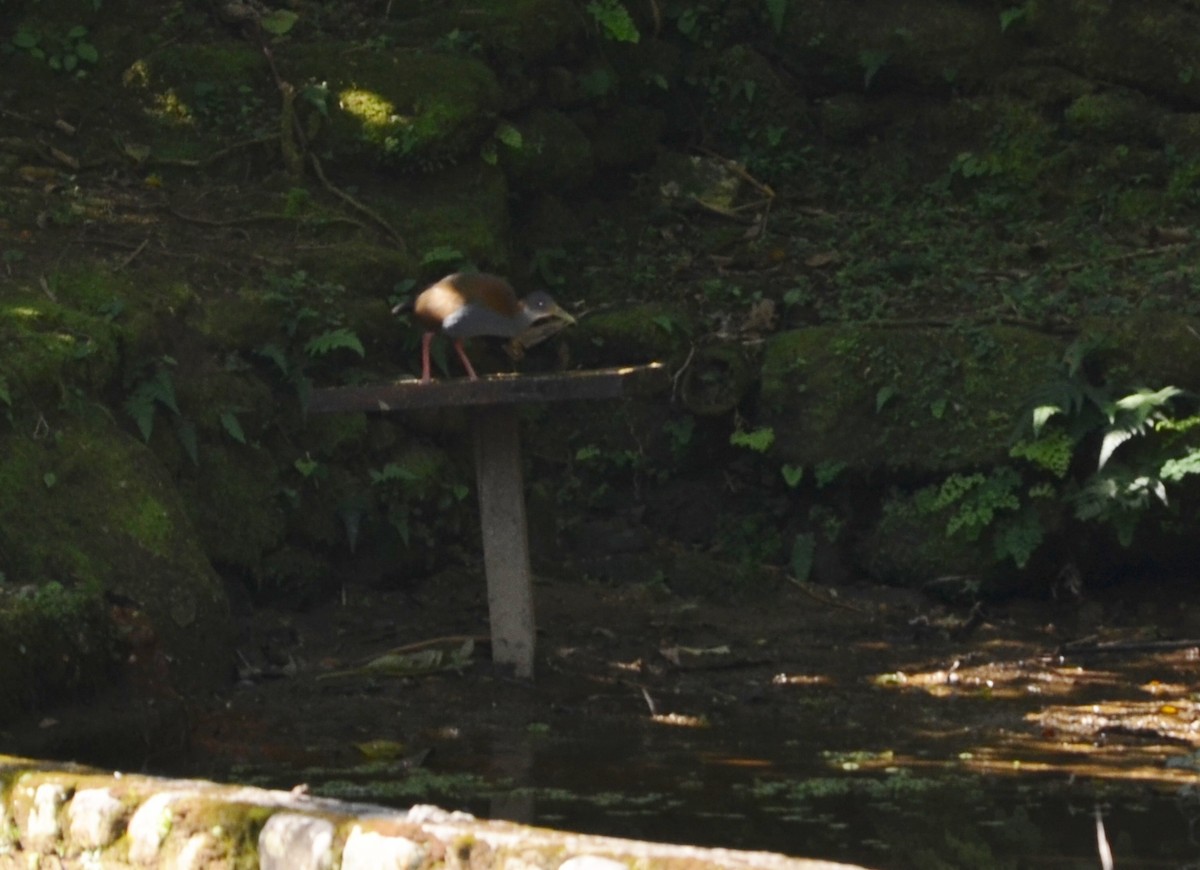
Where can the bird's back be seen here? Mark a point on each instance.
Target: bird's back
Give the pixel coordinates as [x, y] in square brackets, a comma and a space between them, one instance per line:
[463, 305]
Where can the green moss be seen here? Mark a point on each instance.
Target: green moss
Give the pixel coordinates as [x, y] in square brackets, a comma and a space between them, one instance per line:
[234, 502]
[870, 396]
[88, 508]
[1112, 116]
[48, 347]
[554, 154]
[464, 209]
[407, 108]
[148, 523]
[635, 334]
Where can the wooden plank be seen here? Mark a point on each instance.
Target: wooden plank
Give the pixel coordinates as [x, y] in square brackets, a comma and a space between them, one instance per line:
[505, 539]
[613, 383]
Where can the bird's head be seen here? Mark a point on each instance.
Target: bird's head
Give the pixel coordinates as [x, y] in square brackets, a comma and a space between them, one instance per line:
[540, 306]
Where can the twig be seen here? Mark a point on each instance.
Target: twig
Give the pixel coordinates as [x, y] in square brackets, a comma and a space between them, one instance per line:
[1121, 258]
[133, 256]
[679, 374]
[438, 641]
[1089, 649]
[354, 203]
[832, 602]
[215, 156]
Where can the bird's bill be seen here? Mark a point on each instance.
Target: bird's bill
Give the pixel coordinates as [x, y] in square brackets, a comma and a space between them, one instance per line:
[557, 313]
[549, 324]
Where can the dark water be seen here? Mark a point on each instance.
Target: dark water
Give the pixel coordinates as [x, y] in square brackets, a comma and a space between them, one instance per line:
[776, 793]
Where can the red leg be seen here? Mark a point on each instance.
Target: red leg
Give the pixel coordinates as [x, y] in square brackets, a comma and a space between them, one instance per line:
[426, 340]
[462, 355]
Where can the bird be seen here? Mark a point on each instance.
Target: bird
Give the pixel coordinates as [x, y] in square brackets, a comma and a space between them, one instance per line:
[467, 304]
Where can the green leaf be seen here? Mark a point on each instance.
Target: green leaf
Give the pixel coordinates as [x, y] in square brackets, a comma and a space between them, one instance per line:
[883, 396]
[801, 562]
[77, 32]
[1177, 469]
[275, 354]
[760, 440]
[87, 51]
[664, 322]
[140, 407]
[614, 19]
[1042, 414]
[1011, 16]
[441, 254]
[70, 61]
[279, 21]
[25, 39]
[49, 479]
[792, 475]
[510, 136]
[186, 433]
[776, 9]
[392, 471]
[306, 465]
[232, 427]
[342, 338]
[827, 471]
[1112, 440]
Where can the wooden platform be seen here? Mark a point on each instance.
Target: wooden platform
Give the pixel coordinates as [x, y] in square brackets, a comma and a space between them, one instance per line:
[498, 474]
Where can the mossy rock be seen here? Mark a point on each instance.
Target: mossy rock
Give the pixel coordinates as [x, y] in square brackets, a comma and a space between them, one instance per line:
[627, 135]
[554, 154]
[1150, 349]
[463, 209]
[1146, 46]
[404, 108]
[516, 32]
[904, 398]
[923, 41]
[363, 269]
[1112, 116]
[234, 500]
[631, 335]
[88, 507]
[47, 348]
[185, 100]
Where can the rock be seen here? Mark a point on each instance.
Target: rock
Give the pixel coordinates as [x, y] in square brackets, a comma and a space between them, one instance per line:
[94, 818]
[293, 842]
[367, 850]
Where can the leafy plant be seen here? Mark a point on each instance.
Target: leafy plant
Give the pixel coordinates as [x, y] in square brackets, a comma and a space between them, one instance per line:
[759, 440]
[776, 10]
[614, 20]
[872, 62]
[1014, 15]
[334, 339]
[62, 52]
[156, 389]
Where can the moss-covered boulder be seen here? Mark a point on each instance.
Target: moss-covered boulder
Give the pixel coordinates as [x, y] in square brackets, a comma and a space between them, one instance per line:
[405, 108]
[925, 400]
[1149, 46]
[554, 154]
[459, 214]
[932, 42]
[87, 508]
